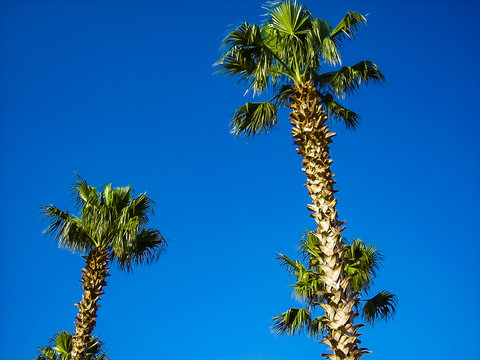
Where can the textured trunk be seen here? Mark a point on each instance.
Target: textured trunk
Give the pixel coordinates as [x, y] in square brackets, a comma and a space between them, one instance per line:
[93, 279]
[312, 137]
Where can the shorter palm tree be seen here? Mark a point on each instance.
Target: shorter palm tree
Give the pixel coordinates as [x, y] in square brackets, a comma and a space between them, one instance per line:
[60, 348]
[112, 227]
[361, 263]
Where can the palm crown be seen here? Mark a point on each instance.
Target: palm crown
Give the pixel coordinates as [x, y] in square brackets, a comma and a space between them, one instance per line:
[361, 262]
[60, 348]
[290, 48]
[111, 220]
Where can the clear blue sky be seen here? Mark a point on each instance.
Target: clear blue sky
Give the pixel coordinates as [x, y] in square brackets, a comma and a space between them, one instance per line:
[125, 92]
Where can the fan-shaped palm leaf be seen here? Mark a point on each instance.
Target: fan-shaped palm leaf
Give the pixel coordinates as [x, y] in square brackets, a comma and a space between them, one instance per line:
[292, 321]
[348, 79]
[254, 118]
[382, 306]
[362, 261]
[347, 27]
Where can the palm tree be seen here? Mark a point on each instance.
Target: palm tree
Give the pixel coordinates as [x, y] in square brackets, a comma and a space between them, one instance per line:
[284, 56]
[361, 263]
[60, 348]
[111, 228]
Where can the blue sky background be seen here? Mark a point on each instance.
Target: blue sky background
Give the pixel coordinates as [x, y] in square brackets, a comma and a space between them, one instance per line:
[125, 92]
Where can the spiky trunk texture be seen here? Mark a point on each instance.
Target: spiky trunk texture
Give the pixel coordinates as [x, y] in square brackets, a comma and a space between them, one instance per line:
[93, 279]
[312, 137]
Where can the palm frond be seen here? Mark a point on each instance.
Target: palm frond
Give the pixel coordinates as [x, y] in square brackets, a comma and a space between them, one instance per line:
[249, 58]
[307, 286]
[67, 231]
[308, 248]
[307, 282]
[339, 113]
[322, 46]
[290, 18]
[348, 79]
[362, 262]
[141, 207]
[253, 118]
[46, 353]
[282, 96]
[147, 246]
[63, 344]
[245, 36]
[238, 63]
[84, 194]
[120, 199]
[347, 28]
[292, 321]
[292, 267]
[381, 307]
[317, 327]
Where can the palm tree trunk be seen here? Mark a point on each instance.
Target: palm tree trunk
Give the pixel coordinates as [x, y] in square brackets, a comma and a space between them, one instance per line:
[312, 137]
[93, 279]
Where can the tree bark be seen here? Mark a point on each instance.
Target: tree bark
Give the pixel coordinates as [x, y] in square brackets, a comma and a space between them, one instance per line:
[93, 279]
[312, 137]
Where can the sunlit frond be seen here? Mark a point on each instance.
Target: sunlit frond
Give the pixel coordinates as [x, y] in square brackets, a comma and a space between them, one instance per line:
[46, 353]
[320, 43]
[381, 307]
[84, 194]
[290, 18]
[253, 118]
[62, 344]
[292, 267]
[249, 58]
[362, 262]
[308, 248]
[348, 27]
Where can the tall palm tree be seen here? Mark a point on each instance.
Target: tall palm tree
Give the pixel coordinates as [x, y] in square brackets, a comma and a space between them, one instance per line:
[111, 228]
[60, 348]
[284, 56]
[361, 263]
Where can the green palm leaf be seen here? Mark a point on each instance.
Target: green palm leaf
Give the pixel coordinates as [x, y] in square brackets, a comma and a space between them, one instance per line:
[292, 321]
[381, 307]
[254, 118]
[338, 112]
[68, 231]
[362, 262]
[348, 27]
[348, 79]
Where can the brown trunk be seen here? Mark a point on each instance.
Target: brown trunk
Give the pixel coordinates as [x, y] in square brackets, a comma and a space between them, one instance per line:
[312, 137]
[93, 279]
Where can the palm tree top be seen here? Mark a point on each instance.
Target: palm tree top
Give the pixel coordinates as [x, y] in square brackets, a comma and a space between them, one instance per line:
[60, 348]
[289, 48]
[110, 219]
